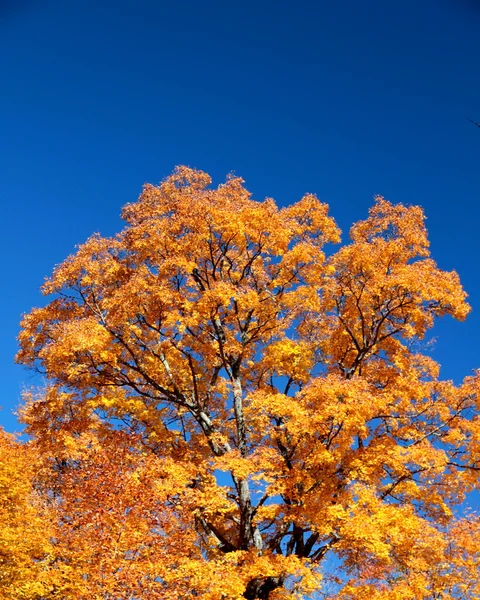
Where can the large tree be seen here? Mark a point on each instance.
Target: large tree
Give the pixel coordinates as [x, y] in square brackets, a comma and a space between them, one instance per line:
[232, 414]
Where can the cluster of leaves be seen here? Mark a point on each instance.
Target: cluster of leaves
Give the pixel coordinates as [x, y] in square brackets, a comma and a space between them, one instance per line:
[27, 526]
[232, 414]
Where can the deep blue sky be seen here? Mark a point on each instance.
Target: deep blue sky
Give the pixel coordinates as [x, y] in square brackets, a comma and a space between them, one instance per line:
[345, 99]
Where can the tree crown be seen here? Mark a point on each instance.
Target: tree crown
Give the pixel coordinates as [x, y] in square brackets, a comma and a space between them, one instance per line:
[271, 403]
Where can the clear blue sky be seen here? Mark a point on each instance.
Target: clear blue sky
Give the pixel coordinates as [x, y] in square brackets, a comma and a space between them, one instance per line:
[346, 99]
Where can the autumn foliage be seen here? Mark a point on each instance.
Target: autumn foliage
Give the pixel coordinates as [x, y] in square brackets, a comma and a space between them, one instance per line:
[26, 527]
[231, 413]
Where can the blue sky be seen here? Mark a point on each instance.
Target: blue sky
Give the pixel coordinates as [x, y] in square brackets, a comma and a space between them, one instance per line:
[345, 99]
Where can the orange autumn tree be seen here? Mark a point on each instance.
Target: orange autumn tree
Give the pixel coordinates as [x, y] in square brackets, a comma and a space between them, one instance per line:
[26, 526]
[230, 414]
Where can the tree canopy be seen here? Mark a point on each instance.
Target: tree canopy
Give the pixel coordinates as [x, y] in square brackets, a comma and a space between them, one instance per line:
[232, 411]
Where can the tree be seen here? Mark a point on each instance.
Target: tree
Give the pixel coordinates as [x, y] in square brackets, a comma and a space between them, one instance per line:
[26, 552]
[231, 414]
